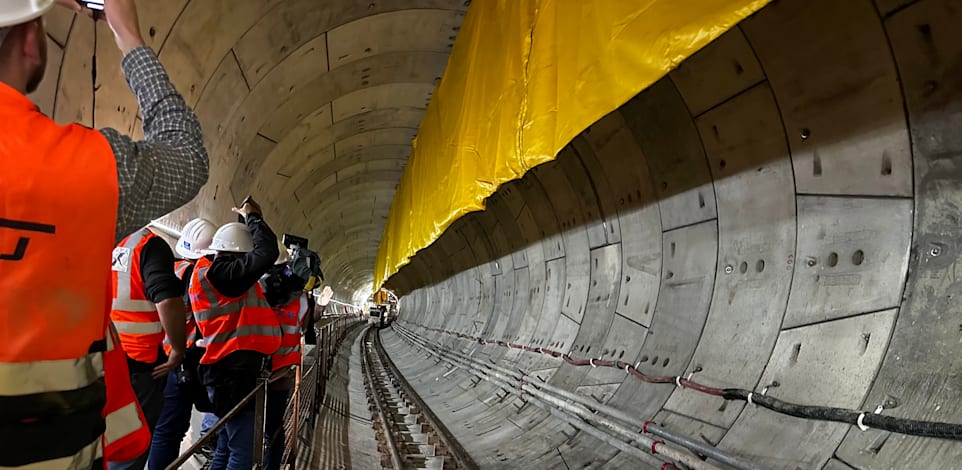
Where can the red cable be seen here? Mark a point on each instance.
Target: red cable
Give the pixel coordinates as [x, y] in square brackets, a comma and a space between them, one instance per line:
[702, 388]
[603, 363]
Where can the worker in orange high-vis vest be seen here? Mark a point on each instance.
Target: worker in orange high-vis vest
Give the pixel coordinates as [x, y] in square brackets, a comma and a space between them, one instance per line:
[147, 304]
[67, 195]
[182, 390]
[240, 330]
[292, 304]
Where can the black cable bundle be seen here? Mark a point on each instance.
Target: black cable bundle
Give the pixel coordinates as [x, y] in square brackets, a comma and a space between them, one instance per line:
[875, 421]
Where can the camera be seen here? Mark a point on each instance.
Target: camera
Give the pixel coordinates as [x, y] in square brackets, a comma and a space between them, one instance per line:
[292, 241]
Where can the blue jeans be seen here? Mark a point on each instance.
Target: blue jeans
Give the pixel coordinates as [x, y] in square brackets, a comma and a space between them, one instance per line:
[171, 427]
[274, 427]
[150, 394]
[235, 443]
[210, 419]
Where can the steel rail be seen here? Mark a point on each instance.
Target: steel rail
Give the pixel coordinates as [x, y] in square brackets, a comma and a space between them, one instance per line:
[454, 448]
[389, 433]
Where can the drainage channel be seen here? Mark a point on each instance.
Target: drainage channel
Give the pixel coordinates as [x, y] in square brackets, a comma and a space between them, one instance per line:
[409, 435]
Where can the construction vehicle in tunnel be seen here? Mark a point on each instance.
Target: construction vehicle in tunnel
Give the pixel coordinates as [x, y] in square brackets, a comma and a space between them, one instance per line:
[382, 307]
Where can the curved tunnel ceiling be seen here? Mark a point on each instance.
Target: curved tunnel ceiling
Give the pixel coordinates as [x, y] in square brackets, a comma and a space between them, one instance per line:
[309, 106]
[783, 208]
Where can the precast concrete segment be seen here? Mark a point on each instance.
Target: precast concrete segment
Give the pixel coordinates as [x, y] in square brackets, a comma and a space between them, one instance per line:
[786, 222]
[918, 373]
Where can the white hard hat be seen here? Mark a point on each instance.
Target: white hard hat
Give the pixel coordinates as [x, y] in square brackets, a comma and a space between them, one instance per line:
[233, 237]
[16, 12]
[284, 255]
[195, 238]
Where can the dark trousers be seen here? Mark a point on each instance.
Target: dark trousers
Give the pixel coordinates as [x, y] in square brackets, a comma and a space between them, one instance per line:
[172, 425]
[150, 394]
[235, 443]
[277, 401]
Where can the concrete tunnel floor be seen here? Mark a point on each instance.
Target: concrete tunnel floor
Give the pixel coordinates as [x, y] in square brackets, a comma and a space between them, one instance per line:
[344, 433]
[783, 208]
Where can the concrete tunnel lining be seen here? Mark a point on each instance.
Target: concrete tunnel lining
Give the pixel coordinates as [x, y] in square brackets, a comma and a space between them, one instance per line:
[782, 208]
[738, 212]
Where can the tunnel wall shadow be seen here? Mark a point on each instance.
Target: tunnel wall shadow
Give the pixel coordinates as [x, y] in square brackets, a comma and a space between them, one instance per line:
[782, 212]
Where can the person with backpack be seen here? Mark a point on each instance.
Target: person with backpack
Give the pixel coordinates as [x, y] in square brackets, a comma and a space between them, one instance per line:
[285, 291]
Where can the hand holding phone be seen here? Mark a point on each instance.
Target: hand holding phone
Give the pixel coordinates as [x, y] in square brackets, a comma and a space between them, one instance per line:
[248, 206]
[92, 4]
[93, 8]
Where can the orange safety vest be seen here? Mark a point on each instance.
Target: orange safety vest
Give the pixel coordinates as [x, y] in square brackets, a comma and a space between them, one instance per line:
[132, 313]
[229, 324]
[127, 436]
[180, 269]
[290, 317]
[58, 211]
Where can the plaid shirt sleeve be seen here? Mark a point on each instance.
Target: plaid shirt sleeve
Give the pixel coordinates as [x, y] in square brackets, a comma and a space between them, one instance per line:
[166, 169]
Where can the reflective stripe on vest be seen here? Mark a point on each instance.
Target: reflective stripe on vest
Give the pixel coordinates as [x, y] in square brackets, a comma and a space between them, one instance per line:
[85, 459]
[248, 330]
[135, 328]
[59, 195]
[245, 323]
[290, 316]
[135, 317]
[50, 376]
[122, 423]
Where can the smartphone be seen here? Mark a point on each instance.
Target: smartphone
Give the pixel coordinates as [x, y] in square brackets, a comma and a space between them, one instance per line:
[96, 5]
[246, 200]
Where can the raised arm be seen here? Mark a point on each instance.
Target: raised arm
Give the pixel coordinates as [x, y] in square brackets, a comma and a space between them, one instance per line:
[166, 169]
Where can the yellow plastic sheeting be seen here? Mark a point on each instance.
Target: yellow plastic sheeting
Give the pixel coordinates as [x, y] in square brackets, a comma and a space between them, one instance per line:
[524, 78]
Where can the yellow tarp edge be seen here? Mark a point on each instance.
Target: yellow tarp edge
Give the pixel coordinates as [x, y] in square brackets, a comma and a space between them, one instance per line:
[524, 78]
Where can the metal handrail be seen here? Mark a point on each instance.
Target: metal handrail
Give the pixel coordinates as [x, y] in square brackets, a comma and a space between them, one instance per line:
[260, 388]
[329, 337]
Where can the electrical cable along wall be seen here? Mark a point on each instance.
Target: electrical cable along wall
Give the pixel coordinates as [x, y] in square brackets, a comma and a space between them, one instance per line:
[778, 215]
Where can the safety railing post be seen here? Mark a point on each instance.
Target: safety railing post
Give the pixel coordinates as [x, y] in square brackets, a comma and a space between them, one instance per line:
[260, 413]
[296, 398]
[322, 367]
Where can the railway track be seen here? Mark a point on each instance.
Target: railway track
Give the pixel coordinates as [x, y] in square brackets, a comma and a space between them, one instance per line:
[409, 435]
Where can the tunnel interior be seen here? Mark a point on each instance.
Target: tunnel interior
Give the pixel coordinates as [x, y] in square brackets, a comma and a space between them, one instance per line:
[780, 213]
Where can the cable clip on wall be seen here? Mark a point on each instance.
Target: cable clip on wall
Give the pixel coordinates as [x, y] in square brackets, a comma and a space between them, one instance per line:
[863, 427]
